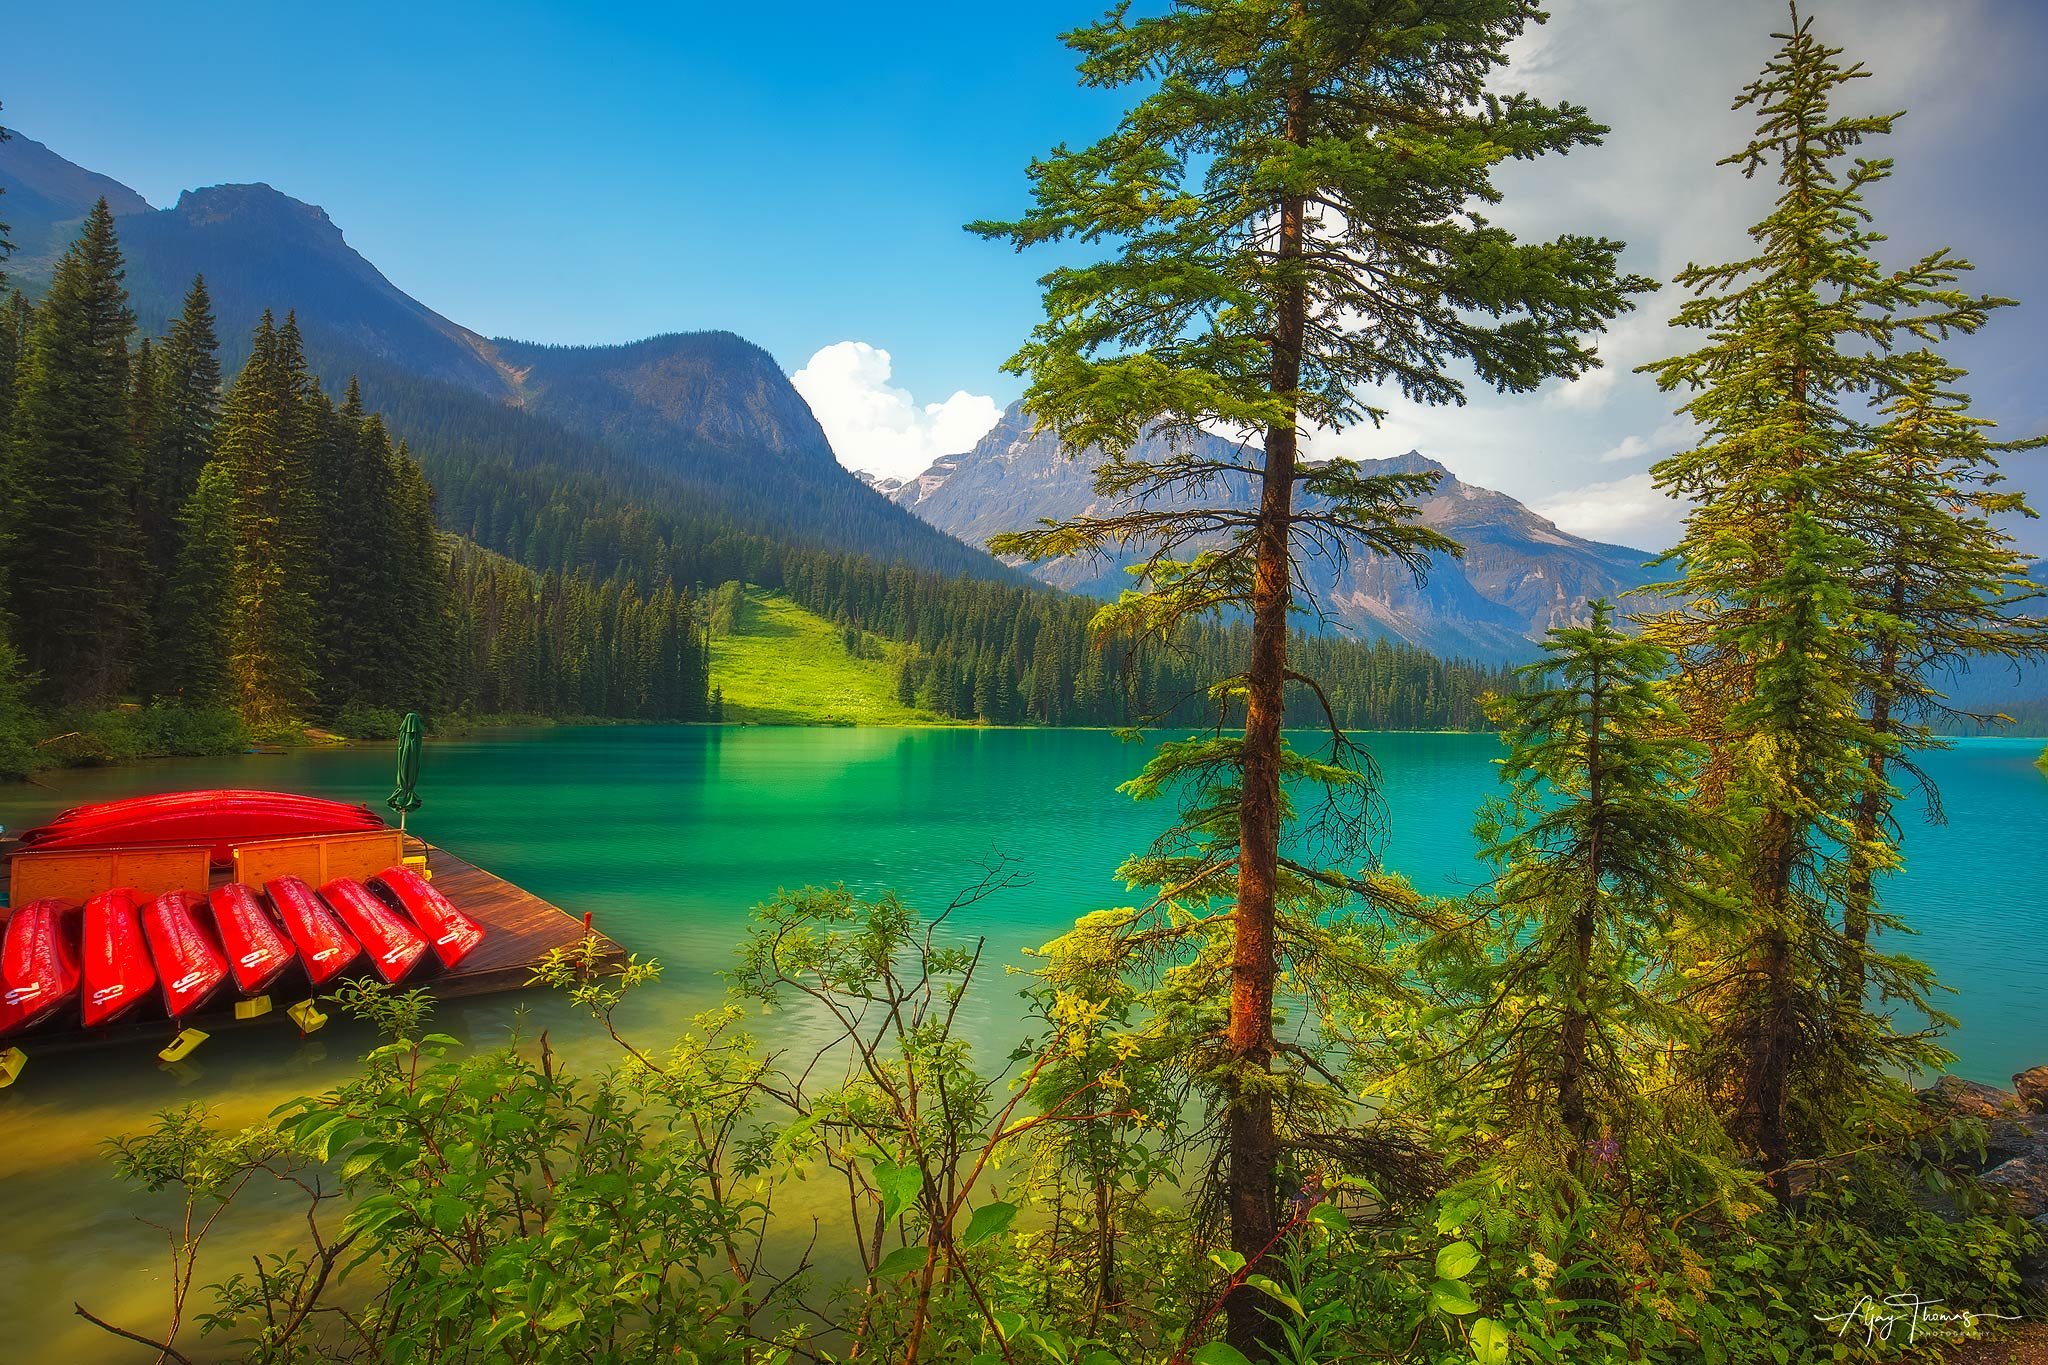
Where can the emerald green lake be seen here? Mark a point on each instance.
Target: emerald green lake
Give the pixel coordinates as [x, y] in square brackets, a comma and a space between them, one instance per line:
[668, 836]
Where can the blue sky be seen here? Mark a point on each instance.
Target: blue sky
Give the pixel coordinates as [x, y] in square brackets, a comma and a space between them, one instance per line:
[586, 173]
[799, 174]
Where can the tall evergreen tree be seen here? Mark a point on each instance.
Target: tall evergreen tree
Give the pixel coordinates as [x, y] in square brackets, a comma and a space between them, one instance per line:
[195, 635]
[1774, 654]
[420, 562]
[15, 319]
[145, 416]
[1944, 588]
[1287, 211]
[1597, 846]
[188, 406]
[271, 651]
[73, 577]
[363, 608]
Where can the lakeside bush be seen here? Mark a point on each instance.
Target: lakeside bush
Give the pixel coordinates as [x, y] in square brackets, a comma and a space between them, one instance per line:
[491, 1204]
[88, 737]
[362, 721]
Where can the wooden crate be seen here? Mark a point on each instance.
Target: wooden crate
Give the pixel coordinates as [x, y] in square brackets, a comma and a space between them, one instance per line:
[318, 859]
[78, 875]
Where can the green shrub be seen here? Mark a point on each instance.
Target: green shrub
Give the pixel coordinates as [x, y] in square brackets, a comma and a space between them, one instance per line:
[358, 721]
[171, 730]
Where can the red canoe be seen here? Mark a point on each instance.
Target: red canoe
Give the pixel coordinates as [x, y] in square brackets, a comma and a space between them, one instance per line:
[452, 933]
[38, 963]
[393, 945]
[115, 958]
[325, 945]
[188, 962]
[128, 808]
[257, 950]
[219, 818]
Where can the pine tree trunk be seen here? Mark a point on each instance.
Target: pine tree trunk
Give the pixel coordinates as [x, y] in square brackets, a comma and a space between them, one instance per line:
[1571, 1090]
[1871, 806]
[1776, 1025]
[1254, 1157]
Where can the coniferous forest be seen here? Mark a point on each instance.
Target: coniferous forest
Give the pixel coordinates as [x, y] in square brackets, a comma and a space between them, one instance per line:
[1660, 1085]
[244, 554]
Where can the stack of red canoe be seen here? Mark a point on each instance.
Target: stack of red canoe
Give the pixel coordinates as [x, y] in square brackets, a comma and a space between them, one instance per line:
[221, 819]
[115, 951]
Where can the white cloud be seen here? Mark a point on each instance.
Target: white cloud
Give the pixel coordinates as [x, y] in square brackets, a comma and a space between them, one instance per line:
[1626, 511]
[1675, 434]
[877, 427]
[1663, 75]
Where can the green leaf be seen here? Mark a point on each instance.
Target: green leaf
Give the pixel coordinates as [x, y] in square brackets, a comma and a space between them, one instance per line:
[1490, 1342]
[1453, 1216]
[1272, 1290]
[1217, 1353]
[899, 1185]
[560, 1316]
[1457, 1260]
[988, 1220]
[1449, 1296]
[1008, 1323]
[361, 1162]
[504, 1327]
[1330, 1216]
[1231, 1261]
[447, 1212]
[902, 1261]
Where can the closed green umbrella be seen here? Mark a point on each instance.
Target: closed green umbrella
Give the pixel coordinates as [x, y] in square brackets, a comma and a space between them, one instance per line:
[407, 797]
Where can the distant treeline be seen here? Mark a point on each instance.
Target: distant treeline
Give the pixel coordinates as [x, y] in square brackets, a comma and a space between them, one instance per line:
[555, 644]
[1003, 652]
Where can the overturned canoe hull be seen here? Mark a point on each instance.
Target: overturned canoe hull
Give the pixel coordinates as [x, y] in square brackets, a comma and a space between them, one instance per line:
[390, 942]
[190, 965]
[325, 945]
[115, 966]
[257, 950]
[39, 969]
[452, 934]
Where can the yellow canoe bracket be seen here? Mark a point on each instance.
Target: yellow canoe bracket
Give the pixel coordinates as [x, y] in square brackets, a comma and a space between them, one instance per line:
[11, 1063]
[182, 1046]
[253, 1008]
[307, 1016]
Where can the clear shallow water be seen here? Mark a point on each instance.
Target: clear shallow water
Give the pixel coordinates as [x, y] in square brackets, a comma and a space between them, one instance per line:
[670, 835]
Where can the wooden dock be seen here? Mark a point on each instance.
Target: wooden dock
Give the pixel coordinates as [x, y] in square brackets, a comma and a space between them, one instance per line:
[519, 927]
[519, 930]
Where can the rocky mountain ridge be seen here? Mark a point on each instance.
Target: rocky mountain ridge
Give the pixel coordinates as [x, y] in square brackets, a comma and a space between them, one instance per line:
[1519, 576]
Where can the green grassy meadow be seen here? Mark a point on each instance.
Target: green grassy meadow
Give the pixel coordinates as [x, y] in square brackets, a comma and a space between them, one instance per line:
[780, 665]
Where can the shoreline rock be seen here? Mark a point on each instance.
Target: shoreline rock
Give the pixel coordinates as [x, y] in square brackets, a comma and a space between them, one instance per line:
[2015, 1157]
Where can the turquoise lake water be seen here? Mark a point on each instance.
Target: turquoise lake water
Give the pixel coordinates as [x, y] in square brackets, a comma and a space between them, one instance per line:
[668, 836]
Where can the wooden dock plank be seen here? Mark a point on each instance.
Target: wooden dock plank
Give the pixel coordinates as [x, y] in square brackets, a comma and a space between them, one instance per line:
[519, 930]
